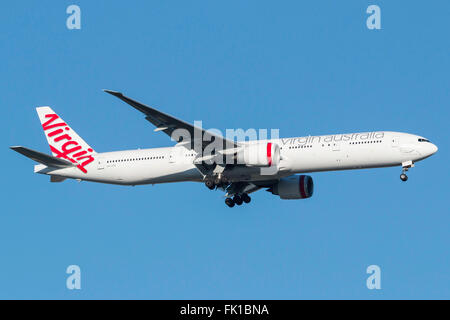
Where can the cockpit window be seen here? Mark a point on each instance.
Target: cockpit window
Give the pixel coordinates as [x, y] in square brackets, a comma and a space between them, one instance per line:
[423, 140]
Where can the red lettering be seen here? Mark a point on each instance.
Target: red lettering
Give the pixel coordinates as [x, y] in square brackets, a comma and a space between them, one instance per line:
[64, 136]
[52, 117]
[60, 154]
[79, 154]
[85, 163]
[46, 126]
[65, 152]
[54, 126]
[69, 151]
[82, 169]
[54, 133]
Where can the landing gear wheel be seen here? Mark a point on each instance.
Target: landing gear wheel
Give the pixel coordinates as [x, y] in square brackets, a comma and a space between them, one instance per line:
[229, 202]
[246, 198]
[403, 177]
[209, 184]
[238, 200]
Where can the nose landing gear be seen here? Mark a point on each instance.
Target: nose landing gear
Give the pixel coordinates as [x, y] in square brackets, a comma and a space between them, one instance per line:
[406, 165]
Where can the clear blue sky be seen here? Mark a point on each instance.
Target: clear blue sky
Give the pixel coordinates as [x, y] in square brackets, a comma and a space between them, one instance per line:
[304, 67]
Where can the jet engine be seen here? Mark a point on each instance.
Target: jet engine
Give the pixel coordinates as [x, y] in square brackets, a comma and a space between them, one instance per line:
[294, 187]
[262, 154]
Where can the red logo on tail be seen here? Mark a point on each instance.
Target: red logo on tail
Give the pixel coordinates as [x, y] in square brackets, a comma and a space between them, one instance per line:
[59, 132]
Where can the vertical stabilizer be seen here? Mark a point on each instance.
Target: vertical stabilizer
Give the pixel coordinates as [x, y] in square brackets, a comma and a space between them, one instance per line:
[64, 142]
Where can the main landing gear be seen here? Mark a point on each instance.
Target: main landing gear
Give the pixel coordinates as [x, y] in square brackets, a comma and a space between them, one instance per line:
[210, 184]
[406, 165]
[238, 199]
[216, 181]
[229, 202]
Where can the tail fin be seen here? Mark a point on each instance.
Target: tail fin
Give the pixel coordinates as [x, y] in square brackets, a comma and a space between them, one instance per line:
[64, 142]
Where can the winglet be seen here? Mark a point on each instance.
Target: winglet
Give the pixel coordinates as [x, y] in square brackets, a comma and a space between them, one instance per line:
[114, 93]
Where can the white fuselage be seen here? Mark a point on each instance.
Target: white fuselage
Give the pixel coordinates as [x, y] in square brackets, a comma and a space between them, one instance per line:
[298, 155]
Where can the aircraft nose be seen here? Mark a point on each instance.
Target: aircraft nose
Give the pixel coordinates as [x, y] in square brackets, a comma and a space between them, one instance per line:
[434, 148]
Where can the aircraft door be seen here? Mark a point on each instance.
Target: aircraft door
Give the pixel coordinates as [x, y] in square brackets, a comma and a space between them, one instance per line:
[336, 146]
[176, 154]
[100, 164]
[395, 142]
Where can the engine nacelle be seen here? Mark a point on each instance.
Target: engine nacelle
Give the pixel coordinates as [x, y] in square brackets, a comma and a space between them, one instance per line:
[294, 187]
[262, 154]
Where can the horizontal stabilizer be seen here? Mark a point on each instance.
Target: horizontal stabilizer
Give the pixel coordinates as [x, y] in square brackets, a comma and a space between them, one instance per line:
[43, 158]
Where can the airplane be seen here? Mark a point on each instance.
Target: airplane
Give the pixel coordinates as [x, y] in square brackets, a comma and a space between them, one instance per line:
[239, 168]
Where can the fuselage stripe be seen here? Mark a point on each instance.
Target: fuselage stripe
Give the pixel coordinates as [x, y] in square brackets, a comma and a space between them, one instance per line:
[269, 153]
[302, 186]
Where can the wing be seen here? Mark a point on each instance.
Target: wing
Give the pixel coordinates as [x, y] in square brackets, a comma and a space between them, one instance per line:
[175, 128]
